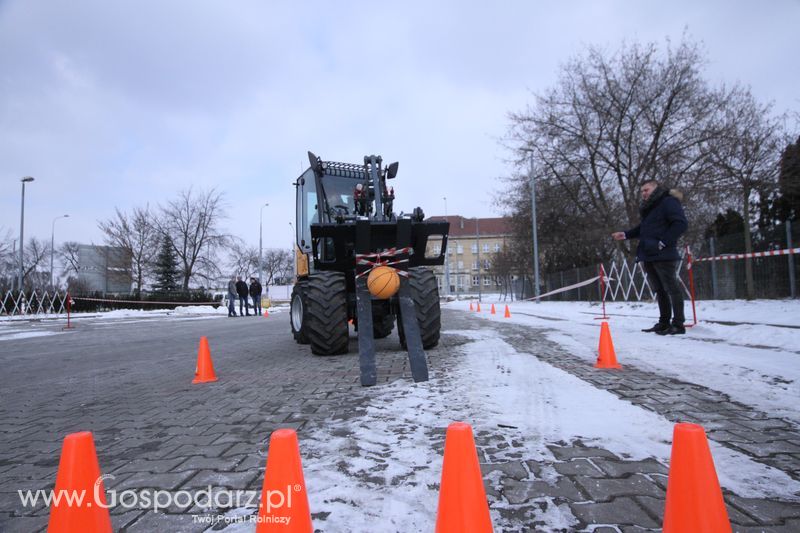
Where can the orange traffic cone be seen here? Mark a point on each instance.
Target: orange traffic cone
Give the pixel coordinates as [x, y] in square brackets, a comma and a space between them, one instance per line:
[284, 500]
[204, 372]
[266, 313]
[78, 471]
[462, 499]
[694, 498]
[507, 313]
[606, 357]
[479, 307]
[470, 307]
[493, 311]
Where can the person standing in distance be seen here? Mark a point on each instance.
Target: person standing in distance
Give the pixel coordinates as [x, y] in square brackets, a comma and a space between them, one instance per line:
[662, 223]
[232, 297]
[244, 296]
[255, 294]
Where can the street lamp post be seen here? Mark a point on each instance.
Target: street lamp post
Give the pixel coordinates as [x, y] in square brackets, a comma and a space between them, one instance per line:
[533, 224]
[446, 259]
[478, 248]
[24, 180]
[260, 232]
[52, 246]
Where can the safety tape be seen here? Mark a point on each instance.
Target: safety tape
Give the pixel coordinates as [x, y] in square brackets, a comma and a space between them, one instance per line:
[361, 259]
[570, 287]
[142, 301]
[768, 253]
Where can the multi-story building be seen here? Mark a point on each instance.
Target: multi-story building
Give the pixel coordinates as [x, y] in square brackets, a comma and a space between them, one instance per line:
[471, 245]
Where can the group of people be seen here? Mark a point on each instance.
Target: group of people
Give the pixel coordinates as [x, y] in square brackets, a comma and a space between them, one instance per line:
[238, 290]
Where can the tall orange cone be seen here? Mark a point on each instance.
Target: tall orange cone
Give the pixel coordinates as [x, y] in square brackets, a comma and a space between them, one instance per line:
[204, 372]
[284, 500]
[479, 307]
[493, 311]
[694, 498]
[78, 471]
[462, 498]
[606, 357]
[507, 313]
[470, 307]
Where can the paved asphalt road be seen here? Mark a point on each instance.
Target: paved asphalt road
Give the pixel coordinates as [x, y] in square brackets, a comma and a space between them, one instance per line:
[129, 382]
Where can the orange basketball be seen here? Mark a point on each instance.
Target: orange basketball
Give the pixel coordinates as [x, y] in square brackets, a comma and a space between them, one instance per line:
[383, 282]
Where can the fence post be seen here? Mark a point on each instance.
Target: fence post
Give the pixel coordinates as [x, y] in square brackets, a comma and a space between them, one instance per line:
[713, 251]
[792, 281]
[691, 284]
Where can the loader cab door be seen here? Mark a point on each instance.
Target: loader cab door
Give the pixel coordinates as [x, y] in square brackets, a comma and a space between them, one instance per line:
[307, 212]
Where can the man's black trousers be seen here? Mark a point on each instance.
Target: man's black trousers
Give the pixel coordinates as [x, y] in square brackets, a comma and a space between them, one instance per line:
[663, 279]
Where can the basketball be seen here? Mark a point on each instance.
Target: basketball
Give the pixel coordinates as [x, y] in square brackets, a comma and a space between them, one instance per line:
[383, 282]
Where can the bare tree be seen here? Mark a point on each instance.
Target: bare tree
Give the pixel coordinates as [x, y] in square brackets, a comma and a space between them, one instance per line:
[33, 257]
[68, 254]
[192, 221]
[277, 264]
[748, 154]
[137, 234]
[7, 245]
[243, 258]
[612, 121]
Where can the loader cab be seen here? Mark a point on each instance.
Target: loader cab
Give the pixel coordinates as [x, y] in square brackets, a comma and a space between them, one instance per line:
[327, 198]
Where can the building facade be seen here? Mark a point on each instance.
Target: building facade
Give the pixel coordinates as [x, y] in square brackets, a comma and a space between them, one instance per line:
[104, 269]
[471, 245]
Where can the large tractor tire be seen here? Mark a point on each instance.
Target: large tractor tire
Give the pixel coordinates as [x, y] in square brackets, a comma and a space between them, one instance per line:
[325, 323]
[425, 293]
[297, 312]
[382, 326]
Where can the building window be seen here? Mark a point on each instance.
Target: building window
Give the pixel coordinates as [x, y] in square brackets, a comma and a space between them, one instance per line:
[476, 280]
[487, 281]
[496, 247]
[487, 264]
[474, 265]
[437, 249]
[474, 248]
[486, 248]
[461, 265]
[460, 248]
[497, 281]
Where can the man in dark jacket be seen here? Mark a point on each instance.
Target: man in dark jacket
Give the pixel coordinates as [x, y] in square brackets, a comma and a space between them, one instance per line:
[255, 294]
[662, 223]
[241, 290]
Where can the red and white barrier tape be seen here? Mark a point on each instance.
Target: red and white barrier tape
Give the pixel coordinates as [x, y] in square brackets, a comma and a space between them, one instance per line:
[568, 288]
[361, 259]
[768, 253]
[142, 301]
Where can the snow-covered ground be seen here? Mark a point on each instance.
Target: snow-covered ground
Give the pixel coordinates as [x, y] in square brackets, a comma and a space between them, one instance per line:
[757, 365]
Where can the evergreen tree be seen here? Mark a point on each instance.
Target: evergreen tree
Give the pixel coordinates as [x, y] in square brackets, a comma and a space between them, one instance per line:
[166, 268]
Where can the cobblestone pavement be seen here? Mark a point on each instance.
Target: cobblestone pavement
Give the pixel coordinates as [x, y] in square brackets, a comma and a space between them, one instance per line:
[128, 382]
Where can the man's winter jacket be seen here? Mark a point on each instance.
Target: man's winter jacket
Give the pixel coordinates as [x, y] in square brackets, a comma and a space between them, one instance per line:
[663, 222]
[241, 289]
[255, 289]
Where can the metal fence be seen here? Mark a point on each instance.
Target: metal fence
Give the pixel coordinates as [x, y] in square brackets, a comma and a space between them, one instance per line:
[774, 276]
[33, 303]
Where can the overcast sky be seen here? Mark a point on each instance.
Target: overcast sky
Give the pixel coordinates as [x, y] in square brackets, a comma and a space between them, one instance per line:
[112, 103]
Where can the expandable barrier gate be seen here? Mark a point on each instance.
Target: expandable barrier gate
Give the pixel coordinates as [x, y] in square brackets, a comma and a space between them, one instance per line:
[33, 303]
